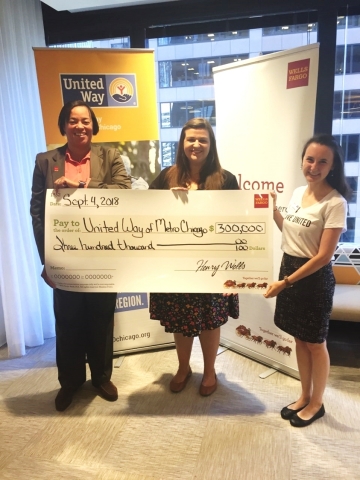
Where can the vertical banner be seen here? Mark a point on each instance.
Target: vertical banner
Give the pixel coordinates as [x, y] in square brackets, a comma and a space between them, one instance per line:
[119, 85]
[133, 331]
[265, 110]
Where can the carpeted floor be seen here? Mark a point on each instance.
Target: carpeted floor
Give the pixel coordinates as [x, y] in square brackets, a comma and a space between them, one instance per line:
[150, 433]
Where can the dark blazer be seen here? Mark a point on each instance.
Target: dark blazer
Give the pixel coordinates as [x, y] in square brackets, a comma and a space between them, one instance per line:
[106, 171]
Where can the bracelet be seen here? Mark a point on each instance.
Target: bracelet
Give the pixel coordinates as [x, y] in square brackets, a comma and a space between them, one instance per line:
[287, 282]
[274, 210]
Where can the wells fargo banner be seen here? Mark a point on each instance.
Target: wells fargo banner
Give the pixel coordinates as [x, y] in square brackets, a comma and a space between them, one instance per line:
[266, 104]
[119, 85]
[160, 241]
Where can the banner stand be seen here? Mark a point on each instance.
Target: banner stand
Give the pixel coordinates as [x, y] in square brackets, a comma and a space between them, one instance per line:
[265, 110]
[133, 330]
[247, 352]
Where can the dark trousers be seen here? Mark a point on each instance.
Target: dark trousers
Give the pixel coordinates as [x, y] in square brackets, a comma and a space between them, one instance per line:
[84, 330]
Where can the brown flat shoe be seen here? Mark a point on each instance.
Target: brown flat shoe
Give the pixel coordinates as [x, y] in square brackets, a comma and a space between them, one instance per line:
[108, 391]
[177, 387]
[206, 391]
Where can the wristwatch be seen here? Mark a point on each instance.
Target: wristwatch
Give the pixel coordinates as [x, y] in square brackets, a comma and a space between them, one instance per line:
[287, 282]
[82, 184]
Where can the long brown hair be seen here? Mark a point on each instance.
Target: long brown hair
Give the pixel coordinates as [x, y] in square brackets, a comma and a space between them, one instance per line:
[211, 174]
[336, 177]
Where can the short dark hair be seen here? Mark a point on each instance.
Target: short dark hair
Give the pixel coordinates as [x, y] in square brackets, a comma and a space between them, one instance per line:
[65, 112]
[336, 177]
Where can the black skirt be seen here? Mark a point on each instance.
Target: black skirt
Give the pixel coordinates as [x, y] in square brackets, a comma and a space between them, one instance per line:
[304, 310]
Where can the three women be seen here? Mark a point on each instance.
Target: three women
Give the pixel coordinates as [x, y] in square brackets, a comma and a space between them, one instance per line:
[304, 290]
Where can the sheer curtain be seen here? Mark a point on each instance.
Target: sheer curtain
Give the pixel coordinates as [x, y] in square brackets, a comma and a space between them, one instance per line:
[26, 316]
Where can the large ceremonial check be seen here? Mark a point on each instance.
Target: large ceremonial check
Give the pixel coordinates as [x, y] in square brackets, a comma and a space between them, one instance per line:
[110, 240]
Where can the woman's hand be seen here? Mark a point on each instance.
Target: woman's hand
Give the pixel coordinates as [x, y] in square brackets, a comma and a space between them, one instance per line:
[278, 218]
[274, 289]
[47, 279]
[274, 197]
[64, 182]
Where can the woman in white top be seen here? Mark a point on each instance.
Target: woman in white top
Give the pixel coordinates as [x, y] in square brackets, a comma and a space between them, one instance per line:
[311, 228]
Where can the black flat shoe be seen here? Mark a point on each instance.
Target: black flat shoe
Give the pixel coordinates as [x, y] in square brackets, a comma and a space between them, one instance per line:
[299, 422]
[286, 413]
[64, 398]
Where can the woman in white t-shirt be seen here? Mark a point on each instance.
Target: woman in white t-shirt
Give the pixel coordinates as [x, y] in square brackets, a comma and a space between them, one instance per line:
[311, 227]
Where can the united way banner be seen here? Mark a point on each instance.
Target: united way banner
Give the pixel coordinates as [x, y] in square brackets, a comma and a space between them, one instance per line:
[133, 331]
[265, 110]
[119, 85]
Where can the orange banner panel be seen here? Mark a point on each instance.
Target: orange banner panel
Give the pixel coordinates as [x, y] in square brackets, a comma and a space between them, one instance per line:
[119, 85]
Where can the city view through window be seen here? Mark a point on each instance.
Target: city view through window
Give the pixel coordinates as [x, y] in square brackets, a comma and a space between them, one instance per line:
[185, 87]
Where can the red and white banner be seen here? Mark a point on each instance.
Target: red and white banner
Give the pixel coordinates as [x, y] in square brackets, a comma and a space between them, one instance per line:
[265, 110]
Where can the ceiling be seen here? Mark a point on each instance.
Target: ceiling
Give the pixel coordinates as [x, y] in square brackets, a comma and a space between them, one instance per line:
[84, 5]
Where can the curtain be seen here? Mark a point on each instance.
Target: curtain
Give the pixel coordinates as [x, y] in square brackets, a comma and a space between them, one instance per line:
[26, 316]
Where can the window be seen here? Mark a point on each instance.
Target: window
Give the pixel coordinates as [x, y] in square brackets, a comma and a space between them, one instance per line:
[353, 183]
[204, 37]
[349, 235]
[346, 113]
[192, 72]
[188, 78]
[347, 104]
[122, 42]
[176, 114]
[348, 22]
[350, 145]
[352, 59]
[288, 29]
[168, 153]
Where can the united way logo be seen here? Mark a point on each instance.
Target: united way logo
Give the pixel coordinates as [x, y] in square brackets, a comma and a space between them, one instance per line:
[115, 90]
[121, 90]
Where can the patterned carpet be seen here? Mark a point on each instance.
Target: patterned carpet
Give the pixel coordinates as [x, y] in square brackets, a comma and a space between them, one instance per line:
[150, 433]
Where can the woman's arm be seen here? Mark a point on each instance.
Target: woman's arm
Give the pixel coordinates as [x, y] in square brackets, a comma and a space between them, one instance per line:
[114, 174]
[329, 240]
[278, 218]
[37, 204]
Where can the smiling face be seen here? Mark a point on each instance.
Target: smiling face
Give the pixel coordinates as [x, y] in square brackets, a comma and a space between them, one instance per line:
[197, 145]
[79, 129]
[317, 163]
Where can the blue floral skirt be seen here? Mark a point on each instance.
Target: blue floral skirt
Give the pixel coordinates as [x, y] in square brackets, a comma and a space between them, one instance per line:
[191, 313]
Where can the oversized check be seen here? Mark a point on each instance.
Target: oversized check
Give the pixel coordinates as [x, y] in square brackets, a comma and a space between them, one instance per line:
[158, 240]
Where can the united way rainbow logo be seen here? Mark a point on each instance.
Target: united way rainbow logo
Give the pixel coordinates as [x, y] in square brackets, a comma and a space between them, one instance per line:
[121, 90]
[100, 90]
